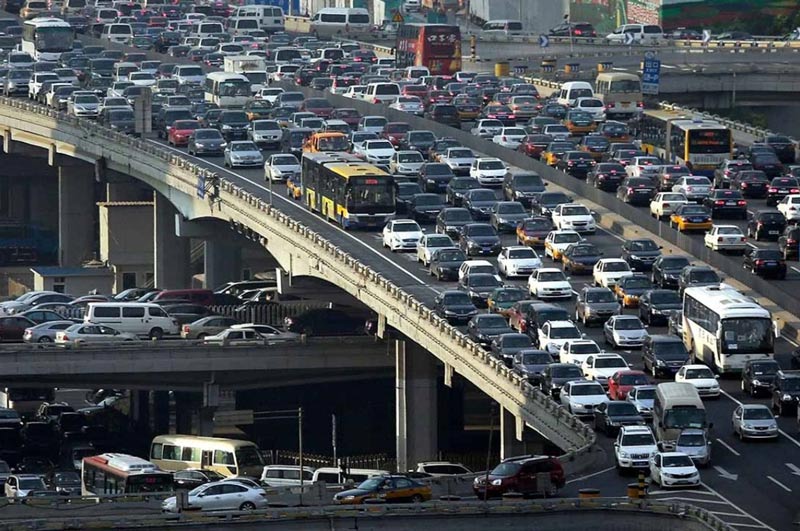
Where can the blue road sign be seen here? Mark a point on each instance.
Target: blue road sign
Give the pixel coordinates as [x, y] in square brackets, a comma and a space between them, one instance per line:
[651, 75]
[201, 187]
[544, 42]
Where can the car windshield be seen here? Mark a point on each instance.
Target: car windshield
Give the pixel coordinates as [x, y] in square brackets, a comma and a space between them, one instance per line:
[665, 297]
[566, 371]
[685, 417]
[564, 332]
[491, 165]
[285, 160]
[248, 456]
[522, 253]
[616, 267]
[428, 200]
[406, 227]
[30, 484]
[699, 373]
[575, 211]
[482, 195]
[691, 439]
[481, 230]
[591, 389]
[510, 208]
[492, 321]
[633, 379]
[371, 484]
[644, 245]
[705, 275]
[243, 146]
[410, 157]
[451, 256]
[552, 276]
[509, 295]
[537, 358]
[638, 439]
[461, 154]
[567, 237]
[765, 369]
[208, 134]
[631, 323]
[636, 283]
[537, 225]
[697, 181]
[475, 269]
[757, 413]
[516, 341]
[610, 363]
[747, 335]
[646, 394]
[675, 262]
[439, 241]
[677, 461]
[457, 298]
[585, 348]
[506, 469]
[482, 281]
[622, 408]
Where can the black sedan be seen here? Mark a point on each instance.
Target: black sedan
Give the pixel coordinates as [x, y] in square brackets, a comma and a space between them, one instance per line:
[424, 208]
[610, 416]
[480, 203]
[451, 220]
[640, 253]
[655, 306]
[576, 163]
[435, 176]
[458, 187]
[505, 346]
[765, 263]
[769, 163]
[556, 375]
[728, 203]
[506, 215]
[636, 191]
[191, 478]
[789, 242]
[765, 225]
[530, 364]
[667, 269]
[606, 176]
[783, 146]
[580, 258]
[751, 183]
[455, 306]
[445, 263]
[780, 187]
[483, 328]
[404, 193]
[479, 239]
[479, 286]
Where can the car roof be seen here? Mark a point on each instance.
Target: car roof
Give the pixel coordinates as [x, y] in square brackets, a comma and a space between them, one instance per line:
[635, 429]
[697, 366]
[561, 324]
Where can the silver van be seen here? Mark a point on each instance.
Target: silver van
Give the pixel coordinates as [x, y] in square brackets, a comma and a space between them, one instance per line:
[334, 476]
[140, 318]
[286, 475]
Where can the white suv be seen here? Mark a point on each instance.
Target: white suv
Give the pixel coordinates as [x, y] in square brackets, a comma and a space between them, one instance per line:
[634, 447]
[488, 171]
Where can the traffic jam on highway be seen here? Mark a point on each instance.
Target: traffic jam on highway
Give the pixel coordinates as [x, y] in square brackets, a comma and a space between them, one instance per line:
[633, 340]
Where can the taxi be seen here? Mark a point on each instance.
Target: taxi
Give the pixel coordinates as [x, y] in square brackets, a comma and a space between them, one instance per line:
[394, 488]
[554, 151]
[557, 242]
[579, 122]
[629, 289]
[467, 108]
[533, 231]
[691, 217]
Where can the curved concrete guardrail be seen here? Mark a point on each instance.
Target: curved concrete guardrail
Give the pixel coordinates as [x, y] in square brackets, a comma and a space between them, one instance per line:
[298, 249]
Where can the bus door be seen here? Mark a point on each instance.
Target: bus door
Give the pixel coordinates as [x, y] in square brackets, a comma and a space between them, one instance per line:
[206, 459]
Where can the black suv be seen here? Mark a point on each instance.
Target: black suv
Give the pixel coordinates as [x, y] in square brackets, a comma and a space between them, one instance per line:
[765, 225]
[663, 355]
[758, 375]
[785, 392]
[444, 113]
[640, 253]
[522, 187]
[556, 375]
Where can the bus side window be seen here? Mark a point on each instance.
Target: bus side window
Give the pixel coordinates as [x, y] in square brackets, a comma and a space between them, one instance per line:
[171, 453]
[156, 451]
[223, 458]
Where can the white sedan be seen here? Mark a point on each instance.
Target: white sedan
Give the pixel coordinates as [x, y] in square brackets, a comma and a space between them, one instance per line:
[401, 235]
[557, 241]
[406, 162]
[701, 377]
[624, 331]
[549, 282]
[430, 243]
[608, 271]
[220, 496]
[552, 334]
[573, 216]
[725, 238]
[789, 206]
[577, 351]
[581, 397]
[645, 166]
[236, 336]
[674, 469]
[458, 159]
[280, 167]
[142, 79]
[509, 137]
[409, 104]
[665, 203]
[517, 261]
[88, 333]
[376, 151]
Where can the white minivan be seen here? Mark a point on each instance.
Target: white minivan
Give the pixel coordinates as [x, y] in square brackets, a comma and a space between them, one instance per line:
[122, 33]
[572, 90]
[270, 18]
[330, 21]
[386, 93]
[140, 318]
[641, 33]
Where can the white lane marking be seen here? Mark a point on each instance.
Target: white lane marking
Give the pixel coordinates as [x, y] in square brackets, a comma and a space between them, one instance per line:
[793, 268]
[794, 468]
[725, 474]
[289, 202]
[591, 475]
[737, 515]
[748, 525]
[778, 483]
[753, 518]
[690, 500]
[726, 445]
[739, 403]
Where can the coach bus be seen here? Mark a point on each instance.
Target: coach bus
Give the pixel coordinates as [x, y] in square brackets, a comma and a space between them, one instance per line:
[621, 94]
[45, 39]
[229, 457]
[434, 46]
[350, 192]
[723, 329]
[697, 143]
[107, 474]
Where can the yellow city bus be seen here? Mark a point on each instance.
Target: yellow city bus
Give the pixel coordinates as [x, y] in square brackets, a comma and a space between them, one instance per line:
[229, 457]
[346, 190]
[680, 138]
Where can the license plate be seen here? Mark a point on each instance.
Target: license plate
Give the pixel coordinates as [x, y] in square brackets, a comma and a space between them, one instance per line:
[626, 105]
[772, 263]
[773, 232]
[733, 203]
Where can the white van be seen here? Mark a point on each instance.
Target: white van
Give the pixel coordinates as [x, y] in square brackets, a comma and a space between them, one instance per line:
[243, 26]
[333, 475]
[416, 73]
[642, 34]
[270, 18]
[386, 93]
[122, 33]
[287, 54]
[140, 318]
[572, 90]
[503, 27]
[73, 7]
[207, 29]
[286, 475]
[330, 21]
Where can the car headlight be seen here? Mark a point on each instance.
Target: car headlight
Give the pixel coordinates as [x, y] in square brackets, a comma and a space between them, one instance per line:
[623, 454]
[350, 497]
[449, 312]
[634, 257]
[786, 396]
[497, 482]
[756, 382]
[660, 363]
[476, 481]
[226, 127]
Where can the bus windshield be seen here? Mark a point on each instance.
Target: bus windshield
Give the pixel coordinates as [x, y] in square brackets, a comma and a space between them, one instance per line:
[248, 456]
[234, 88]
[370, 195]
[685, 417]
[53, 39]
[710, 141]
[747, 336]
[625, 85]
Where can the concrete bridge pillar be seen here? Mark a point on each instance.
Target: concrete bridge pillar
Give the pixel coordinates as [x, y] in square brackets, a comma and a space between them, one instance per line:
[223, 262]
[171, 253]
[416, 405]
[159, 412]
[511, 435]
[77, 213]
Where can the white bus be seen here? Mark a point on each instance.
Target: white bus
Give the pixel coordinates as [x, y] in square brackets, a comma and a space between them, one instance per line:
[229, 457]
[108, 474]
[227, 89]
[621, 93]
[723, 329]
[45, 39]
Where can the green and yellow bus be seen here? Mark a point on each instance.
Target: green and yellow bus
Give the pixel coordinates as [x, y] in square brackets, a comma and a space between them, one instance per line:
[344, 189]
[681, 138]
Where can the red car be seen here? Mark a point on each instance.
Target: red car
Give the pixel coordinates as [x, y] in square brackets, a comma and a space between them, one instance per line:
[319, 106]
[623, 381]
[395, 132]
[519, 474]
[533, 145]
[439, 96]
[347, 115]
[180, 130]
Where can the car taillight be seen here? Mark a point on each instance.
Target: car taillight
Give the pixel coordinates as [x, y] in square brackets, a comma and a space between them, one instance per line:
[794, 191]
[773, 190]
[744, 239]
[640, 104]
[759, 262]
[504, 138]
[578, 32]
[512, 117]
[630, 191]
[791, 242]
[744, 185]
[376, 101]
[186, 328]
[741, 203]
[759, 225]
[719, 202]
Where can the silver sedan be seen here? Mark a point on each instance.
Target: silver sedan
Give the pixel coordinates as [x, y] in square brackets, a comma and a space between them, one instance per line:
[243, 153]
[87, 333]
[754, 421]
[45, 332]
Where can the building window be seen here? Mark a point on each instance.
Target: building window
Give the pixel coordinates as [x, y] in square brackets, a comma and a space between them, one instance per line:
[128, 280]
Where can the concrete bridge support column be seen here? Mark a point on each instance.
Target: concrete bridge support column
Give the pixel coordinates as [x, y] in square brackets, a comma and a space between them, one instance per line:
[76, 215]
[416, 405]
[171, 253]
[223, 262]
[511, 431]
[159, 412]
